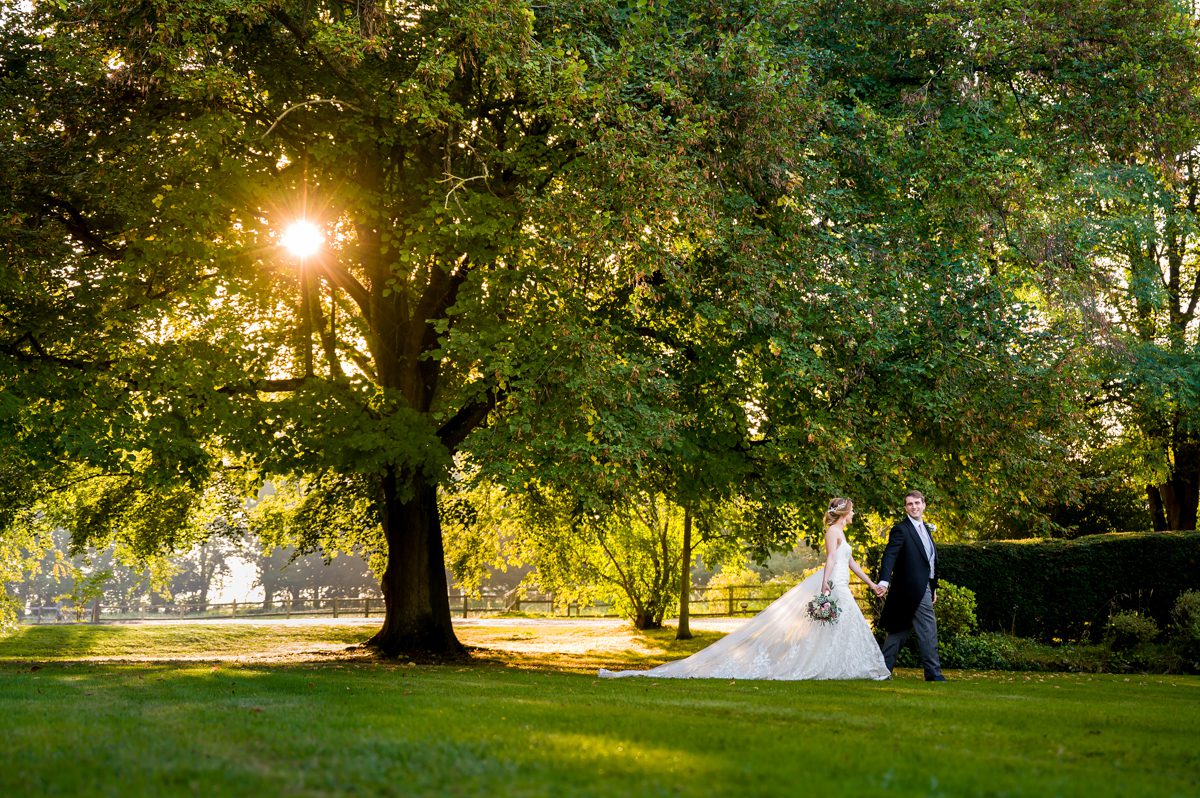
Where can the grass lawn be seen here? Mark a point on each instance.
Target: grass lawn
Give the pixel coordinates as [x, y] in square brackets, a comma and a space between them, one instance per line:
[263, 710]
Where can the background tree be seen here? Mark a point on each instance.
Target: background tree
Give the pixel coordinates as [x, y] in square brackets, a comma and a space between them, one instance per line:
[1144, 311]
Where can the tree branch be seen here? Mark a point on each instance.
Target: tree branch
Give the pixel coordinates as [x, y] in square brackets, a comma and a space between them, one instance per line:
[341, 278]
[40, 355]
[467, 419]
[264, 386]
[79, 227]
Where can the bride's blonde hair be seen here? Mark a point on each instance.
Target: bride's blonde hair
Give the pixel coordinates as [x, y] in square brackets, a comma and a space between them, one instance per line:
[837, 508]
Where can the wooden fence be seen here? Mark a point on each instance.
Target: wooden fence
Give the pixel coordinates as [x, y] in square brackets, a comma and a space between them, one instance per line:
[729, 600]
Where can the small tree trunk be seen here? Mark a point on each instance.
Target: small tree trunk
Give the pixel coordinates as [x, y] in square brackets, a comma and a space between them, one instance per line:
[1158, 516]
[1173, 504]
[416, 605]
[684, 631]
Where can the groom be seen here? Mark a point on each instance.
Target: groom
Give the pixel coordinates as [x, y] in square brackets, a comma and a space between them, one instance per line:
[910, 562]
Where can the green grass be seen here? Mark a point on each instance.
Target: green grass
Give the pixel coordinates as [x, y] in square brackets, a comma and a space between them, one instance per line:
[529, 722]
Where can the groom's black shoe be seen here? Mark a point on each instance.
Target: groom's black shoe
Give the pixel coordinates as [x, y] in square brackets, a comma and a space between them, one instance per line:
[938, 678]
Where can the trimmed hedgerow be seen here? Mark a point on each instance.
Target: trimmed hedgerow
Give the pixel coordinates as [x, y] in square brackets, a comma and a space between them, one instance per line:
[1065, 590]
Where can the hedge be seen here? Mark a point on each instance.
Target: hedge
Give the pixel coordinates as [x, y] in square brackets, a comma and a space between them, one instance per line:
[1064, 590]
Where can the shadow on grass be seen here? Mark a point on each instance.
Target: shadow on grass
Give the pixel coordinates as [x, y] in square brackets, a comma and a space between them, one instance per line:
[37, 642]
[581, 647]
[586, 651]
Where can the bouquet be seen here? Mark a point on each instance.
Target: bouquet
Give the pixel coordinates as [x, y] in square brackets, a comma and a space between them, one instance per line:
[823, 608]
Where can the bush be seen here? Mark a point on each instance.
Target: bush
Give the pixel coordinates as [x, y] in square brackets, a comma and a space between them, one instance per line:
[1003, 652]
[1185, 624]
[984, 653]
[955, 610]
[1128, 630]
[1062, 590]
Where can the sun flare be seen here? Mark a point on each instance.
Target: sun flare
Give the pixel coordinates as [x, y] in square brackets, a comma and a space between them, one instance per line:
[302, 238]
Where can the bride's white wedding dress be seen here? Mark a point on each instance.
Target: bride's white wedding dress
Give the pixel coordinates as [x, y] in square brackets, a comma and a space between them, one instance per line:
[781, 642]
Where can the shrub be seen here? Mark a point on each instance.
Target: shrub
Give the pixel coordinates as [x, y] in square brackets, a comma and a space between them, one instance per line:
[1128, 630]
[1185, 615]
[1185, 624]
[955, 610]
[984, 653]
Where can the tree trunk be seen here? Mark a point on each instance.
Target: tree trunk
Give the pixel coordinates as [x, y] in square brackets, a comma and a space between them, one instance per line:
[416, 605]
[644, 619]
[684, 631]
[1158, 517]
[1173, 504]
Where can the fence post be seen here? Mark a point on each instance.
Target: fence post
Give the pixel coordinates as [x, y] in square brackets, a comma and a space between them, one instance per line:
[730, 589]
[335, 607]
[367, 607]
[233, 609]
[287, 608]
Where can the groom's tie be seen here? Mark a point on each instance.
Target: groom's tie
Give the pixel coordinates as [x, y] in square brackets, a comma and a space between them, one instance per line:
[927, 542]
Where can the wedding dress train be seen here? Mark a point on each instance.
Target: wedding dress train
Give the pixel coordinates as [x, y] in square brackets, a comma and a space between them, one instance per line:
[781, 642]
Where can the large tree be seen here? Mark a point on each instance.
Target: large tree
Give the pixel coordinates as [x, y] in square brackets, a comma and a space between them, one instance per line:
[482, 172]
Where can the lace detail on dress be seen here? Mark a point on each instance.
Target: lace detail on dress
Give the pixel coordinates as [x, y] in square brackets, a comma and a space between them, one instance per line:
[781, 642]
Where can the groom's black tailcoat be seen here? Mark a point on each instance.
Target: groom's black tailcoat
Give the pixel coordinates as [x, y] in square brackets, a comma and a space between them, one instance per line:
[905, 567]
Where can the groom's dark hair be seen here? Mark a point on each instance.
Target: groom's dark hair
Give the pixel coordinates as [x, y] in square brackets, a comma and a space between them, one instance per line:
[916, 493]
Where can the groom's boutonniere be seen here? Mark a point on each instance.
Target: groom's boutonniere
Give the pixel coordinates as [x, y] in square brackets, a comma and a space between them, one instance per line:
[932, 528]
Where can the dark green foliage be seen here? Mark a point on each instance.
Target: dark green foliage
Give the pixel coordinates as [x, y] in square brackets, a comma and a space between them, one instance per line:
[1065, 590]
[1185, 626]
[976, 653]
[1117, 506]
[1128, 629]
[1109, 497]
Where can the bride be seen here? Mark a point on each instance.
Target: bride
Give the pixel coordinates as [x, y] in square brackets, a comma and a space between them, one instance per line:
[782, 642]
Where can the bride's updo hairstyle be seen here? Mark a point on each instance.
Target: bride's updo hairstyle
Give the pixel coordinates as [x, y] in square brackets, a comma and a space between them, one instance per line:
[837, 508]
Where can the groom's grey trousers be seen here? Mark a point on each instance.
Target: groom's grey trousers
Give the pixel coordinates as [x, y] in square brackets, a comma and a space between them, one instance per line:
[925, 625]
